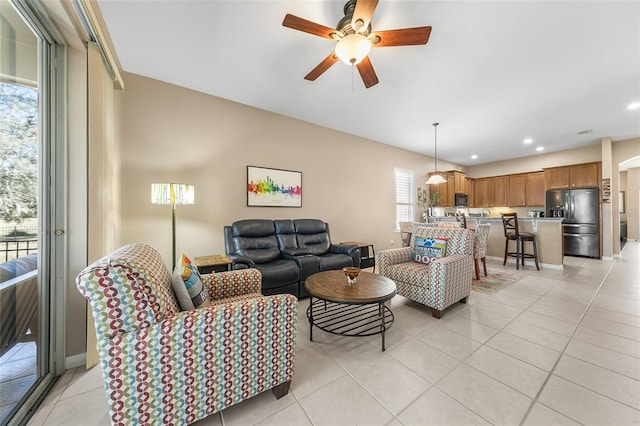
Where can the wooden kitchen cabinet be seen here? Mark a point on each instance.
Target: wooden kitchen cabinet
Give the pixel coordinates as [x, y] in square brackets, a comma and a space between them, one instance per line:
[517, 190]
[535, 189]
[468, 189]
[574, 176]
[458, 182]
[557, 178]
[498, 191]
[584, 175]
[446, 190]
[482, 192]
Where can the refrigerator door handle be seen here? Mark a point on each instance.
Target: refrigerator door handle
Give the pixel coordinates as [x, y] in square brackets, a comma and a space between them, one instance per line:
[569, 234]
[567, 225]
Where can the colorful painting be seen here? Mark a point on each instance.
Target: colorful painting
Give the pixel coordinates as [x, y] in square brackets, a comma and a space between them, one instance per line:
[273, 187]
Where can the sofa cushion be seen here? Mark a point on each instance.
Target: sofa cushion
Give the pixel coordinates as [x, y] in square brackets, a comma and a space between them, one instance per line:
[409, 272]
[187, 285]
[255, 239]
[313, 235]
[286, 234]
[334, 261]
[278, 273]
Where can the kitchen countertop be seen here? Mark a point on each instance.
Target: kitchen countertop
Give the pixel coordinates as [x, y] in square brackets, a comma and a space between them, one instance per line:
[498, 218]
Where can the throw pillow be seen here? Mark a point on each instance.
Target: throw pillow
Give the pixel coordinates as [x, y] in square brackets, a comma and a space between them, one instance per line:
[428, 249]
[187, 285]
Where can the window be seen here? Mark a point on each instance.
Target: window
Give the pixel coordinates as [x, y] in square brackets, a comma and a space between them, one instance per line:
[404, 196]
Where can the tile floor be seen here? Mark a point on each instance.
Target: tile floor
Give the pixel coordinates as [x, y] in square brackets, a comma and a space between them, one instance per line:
[554, 348]
[17, 375]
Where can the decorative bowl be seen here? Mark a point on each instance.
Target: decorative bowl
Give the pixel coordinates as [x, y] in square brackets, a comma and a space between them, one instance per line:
[352, 273]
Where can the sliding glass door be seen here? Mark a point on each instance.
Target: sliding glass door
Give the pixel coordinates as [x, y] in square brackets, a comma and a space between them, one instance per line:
[27, 208]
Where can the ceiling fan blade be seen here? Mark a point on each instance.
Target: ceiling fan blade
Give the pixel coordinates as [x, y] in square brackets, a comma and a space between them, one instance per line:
[401, 37]
[362, 14]
[301, 24]
[369, 77]
[322, 67]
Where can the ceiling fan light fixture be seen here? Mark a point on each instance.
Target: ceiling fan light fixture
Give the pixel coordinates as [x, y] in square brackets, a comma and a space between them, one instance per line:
[353, 48]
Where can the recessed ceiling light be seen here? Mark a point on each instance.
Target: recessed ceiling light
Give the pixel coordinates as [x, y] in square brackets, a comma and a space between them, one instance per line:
[474, 157]
[540, 148]
[635, 105]
[527, 141]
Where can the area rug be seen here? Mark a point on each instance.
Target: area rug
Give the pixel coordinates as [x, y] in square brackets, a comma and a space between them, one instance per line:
[495, 281]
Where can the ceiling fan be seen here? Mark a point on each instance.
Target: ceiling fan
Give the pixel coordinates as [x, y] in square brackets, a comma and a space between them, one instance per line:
[355, 39]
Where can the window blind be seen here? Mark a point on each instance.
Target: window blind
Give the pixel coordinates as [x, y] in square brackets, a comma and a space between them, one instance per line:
[404, 196]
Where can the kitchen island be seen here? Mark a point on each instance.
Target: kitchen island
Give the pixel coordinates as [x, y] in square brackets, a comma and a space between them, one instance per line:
[548, 231]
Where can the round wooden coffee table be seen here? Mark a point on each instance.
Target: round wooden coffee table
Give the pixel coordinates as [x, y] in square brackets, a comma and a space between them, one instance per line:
[349, 309]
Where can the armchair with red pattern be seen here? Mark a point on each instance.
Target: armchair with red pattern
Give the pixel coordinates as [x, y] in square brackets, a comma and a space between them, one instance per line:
[165, 366]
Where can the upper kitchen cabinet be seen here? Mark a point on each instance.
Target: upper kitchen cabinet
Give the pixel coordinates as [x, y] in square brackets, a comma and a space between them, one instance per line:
[482, 192]
[498, 191]
[517, 190]
[446, 190]
[574, 176]
[535, 189]
[468, 189]
[458, 182]
[584, 175]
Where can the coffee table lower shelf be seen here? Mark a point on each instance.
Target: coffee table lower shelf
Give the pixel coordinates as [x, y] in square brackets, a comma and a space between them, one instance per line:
[356, 320]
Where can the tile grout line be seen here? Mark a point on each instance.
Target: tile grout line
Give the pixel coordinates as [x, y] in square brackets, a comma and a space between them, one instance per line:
[544, 384]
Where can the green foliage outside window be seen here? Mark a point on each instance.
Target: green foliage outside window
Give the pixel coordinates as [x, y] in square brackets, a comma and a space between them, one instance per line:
[18, 152]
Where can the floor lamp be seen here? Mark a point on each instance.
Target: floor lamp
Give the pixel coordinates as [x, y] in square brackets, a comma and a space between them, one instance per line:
[174, 194]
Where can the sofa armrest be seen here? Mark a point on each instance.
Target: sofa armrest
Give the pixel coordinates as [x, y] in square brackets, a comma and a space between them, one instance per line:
[199, 362]
[353, 251]
[451, 276]
[385, 258]
[241, 262]
[233, 283]
[342, 249]
[309, 264]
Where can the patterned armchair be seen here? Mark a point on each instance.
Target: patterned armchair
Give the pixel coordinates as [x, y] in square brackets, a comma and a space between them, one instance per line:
[164, 366]
[444, 281]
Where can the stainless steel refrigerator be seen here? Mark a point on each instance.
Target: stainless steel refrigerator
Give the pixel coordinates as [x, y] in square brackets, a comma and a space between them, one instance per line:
[580, 209]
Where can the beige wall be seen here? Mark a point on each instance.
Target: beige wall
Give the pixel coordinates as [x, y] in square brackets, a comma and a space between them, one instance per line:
[633, 204]
[172, 134]
[621, 151]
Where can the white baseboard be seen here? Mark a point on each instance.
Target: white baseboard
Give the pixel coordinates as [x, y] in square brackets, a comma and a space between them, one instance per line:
[75, 361]
[607, 258]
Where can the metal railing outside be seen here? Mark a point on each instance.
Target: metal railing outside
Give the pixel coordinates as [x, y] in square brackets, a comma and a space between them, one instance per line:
[17, 241]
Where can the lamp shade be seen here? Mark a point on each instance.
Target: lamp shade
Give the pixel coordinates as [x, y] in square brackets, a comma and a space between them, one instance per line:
[353, 48]
[435, 179]
[172, 193]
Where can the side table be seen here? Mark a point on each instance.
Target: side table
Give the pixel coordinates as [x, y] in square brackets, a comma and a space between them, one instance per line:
[367, 254]
[213, 263]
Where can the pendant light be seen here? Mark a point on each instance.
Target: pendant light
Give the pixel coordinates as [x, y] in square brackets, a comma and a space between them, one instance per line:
[435, 178]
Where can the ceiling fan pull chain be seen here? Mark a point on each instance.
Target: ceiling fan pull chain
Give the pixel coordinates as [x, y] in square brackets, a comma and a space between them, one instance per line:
[353, 76]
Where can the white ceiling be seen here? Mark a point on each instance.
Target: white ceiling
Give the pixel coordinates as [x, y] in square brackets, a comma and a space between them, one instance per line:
[493, 72]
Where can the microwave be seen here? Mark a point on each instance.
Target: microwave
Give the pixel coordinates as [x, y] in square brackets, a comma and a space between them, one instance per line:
[462, 200]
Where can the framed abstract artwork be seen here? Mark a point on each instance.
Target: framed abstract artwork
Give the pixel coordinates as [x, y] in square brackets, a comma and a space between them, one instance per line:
[273, 187]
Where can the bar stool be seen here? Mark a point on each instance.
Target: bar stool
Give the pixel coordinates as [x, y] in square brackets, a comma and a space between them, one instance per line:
[512, 232]
[462, 219]
[480, 247]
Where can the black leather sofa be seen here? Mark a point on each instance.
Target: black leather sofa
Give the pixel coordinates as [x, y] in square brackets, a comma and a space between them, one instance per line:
[286, 251]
